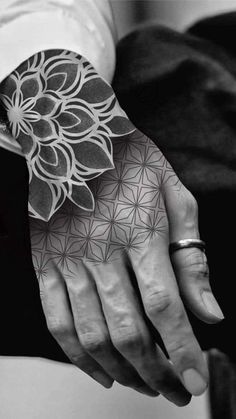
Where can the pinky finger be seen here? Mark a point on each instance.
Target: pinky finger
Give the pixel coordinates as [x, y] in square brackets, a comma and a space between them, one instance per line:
[60, 323]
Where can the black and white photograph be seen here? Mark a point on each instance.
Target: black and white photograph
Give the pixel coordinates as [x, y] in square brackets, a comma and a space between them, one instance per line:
[117, 209]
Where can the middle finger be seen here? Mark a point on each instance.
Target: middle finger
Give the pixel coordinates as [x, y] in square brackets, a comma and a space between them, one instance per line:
[130, 334]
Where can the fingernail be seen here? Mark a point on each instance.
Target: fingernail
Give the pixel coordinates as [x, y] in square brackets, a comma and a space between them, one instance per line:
[150, 393]
[211, 305]
[103, 379]
[178, 400]
[194, 382]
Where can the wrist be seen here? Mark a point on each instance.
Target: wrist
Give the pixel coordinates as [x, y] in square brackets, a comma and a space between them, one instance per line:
[64, 115]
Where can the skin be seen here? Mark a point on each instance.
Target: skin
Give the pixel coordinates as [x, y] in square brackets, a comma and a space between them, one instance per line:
[85, 260]
[64, 116]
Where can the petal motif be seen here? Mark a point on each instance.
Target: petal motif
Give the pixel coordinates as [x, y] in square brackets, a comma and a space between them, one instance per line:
[9, 86]
[26, 142]
[95, 90]
[71, 74]
[60, 193]
[42, 128]
[40, 198]
[30, 87]
[81, 196]
[84, 120]
[56, 82]
[44, 105]
[120, 125]
[68, 120]
[91, 155]
[62, 166]
[48, 155]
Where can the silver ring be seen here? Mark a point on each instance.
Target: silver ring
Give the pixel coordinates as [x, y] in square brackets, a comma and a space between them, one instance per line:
[187, 243]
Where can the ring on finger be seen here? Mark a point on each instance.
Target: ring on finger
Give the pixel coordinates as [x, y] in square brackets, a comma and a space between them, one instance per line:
[186, 243]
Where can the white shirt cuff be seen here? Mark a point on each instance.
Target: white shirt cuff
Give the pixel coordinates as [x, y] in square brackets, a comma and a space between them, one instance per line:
[33, 32]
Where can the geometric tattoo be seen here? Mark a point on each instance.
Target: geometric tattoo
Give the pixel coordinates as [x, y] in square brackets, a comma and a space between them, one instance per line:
[129, 212]
[64, 116]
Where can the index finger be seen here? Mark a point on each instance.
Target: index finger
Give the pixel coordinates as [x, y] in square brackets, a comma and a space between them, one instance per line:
[165, 309]
[190, 264]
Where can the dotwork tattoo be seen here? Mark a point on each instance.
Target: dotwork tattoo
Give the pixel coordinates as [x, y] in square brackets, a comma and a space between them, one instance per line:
[129, 212]
[64, 116]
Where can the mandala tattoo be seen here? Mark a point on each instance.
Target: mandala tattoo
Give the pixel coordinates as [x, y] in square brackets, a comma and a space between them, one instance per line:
[129, 212]
[64, 116]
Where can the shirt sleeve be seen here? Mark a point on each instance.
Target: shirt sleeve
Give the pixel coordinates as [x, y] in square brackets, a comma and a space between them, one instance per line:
[82, 26]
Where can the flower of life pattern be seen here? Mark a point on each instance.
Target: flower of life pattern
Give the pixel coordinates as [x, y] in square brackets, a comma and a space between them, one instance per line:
[64, 116]
[129, 212]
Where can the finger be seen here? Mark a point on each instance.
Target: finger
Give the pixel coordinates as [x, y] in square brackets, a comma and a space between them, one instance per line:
[129, 332]
[93, 333]
[165, 309]
[190, 265]
[60, 324]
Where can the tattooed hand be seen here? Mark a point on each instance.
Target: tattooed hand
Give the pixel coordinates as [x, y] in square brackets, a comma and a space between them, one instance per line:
[83, 261]
[67, 119]
[64, 117]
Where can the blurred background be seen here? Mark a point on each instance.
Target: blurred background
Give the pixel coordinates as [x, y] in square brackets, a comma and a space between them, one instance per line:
[174, 13]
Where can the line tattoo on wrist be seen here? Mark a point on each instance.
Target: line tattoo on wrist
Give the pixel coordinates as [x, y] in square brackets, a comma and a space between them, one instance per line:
[64, 116]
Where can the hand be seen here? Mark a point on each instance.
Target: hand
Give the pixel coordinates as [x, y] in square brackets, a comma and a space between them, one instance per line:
[83, 261]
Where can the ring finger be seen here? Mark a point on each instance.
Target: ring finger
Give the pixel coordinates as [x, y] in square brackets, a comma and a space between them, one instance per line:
[93, 333]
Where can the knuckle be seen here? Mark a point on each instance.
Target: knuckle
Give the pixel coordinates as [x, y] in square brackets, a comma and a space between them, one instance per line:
[128, 340]
[196, 264]
[59, 329]
[82, 361]
[79, 359]
[158, 301]
[180, 318]
[181, 351]
[94, 343]
[177, 347]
